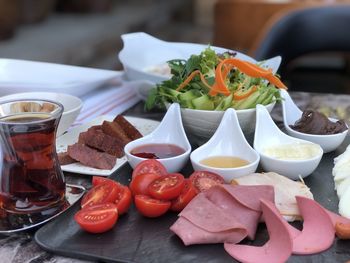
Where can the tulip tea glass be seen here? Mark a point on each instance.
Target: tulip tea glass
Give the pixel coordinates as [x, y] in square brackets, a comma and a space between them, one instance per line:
[31, 180]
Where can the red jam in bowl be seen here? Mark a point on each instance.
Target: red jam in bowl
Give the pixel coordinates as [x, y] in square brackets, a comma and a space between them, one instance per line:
[157, 151]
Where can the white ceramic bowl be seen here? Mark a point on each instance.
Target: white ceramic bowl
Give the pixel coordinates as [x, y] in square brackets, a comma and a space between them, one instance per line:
[228, 140]
[291, 113]
[169, 131]
[203, 123]
[268, 134]
[72, 105]
[142, 51]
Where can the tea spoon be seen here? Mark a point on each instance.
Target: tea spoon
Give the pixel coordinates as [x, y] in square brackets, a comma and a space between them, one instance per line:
[291, 113]
[268, 135]
[169, 131]
[228, 140]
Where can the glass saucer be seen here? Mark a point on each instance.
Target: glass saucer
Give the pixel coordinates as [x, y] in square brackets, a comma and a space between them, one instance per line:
[9, 225]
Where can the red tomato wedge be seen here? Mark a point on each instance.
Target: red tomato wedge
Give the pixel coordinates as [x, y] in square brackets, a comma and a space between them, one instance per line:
[151, 207]
[139, 184]
[149, 166]
[186, 195]
[105, 192]
[123, 200]
[96, 180]
[167, 187]
[203, 180]
[97, 218]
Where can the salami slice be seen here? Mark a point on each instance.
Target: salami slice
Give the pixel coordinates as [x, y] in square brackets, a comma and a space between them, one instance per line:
[318, 230]
[277, 249]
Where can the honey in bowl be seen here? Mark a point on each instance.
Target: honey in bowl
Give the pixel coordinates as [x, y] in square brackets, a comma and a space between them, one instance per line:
[157, 151]
[224, 162]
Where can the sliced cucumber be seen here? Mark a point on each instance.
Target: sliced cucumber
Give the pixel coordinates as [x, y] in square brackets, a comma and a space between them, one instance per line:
[203, 103]
[249, 102]
[263, 95]
[225, 103]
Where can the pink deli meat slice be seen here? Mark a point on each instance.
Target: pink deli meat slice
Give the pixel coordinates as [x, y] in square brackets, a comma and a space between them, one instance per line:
[337, 218]
[318, 230]
[191, 234]
[250, 195]
[201, 219]
[222, 197]
[279, 247]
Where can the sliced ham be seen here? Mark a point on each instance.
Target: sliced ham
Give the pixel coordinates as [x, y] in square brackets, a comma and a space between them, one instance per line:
[318, 229]
[250, 196]
[232, 212]
[191, 234]
[337, 218]
[203, 222]
[285, 190]
[247, 217]
[277, 249]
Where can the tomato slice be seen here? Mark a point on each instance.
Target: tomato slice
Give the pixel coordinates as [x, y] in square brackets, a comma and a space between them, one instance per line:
[167, 187]
[203, 180]
[139, 184]
[96, 180]
[151, 207]
[186, 195]
[149, 166]
[123, 200]
[105, 192]
[97, 218]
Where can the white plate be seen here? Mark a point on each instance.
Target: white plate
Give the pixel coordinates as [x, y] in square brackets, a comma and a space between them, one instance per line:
[24, 76]
[145, 126]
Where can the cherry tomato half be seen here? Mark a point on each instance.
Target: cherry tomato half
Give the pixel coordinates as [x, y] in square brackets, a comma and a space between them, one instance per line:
[203, 180]
[105, 192]
[186, 195]
[96, 180]
[97, 218]
[149, 166]
[167, 187]
[123, 200]
[151, 207]
[139, 184]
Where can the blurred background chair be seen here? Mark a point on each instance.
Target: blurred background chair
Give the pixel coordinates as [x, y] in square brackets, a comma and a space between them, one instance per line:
[314, 44]
[311, 36]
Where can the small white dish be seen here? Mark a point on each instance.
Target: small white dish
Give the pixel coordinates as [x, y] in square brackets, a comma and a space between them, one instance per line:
[72, 105]
[267, 134]
[291, 113]
[23, 76]
[141, 52]
[228, 140]
[145, 126]
[169, 131]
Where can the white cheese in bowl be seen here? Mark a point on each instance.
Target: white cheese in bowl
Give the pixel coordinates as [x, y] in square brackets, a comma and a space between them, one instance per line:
[293, 151]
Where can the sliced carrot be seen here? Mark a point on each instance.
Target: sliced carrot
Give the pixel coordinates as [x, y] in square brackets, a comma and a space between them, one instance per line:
[223, 69]
[188, 80]
[254, 71]
[220, 86]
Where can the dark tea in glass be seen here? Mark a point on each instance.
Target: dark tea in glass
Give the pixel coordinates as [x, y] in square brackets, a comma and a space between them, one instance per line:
[31, 180]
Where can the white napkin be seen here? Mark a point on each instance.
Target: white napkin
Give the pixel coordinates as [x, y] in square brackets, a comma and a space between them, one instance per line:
[107, 101]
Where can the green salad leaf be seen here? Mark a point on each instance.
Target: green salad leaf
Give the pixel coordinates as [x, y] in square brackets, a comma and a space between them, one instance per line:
[245, 91]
